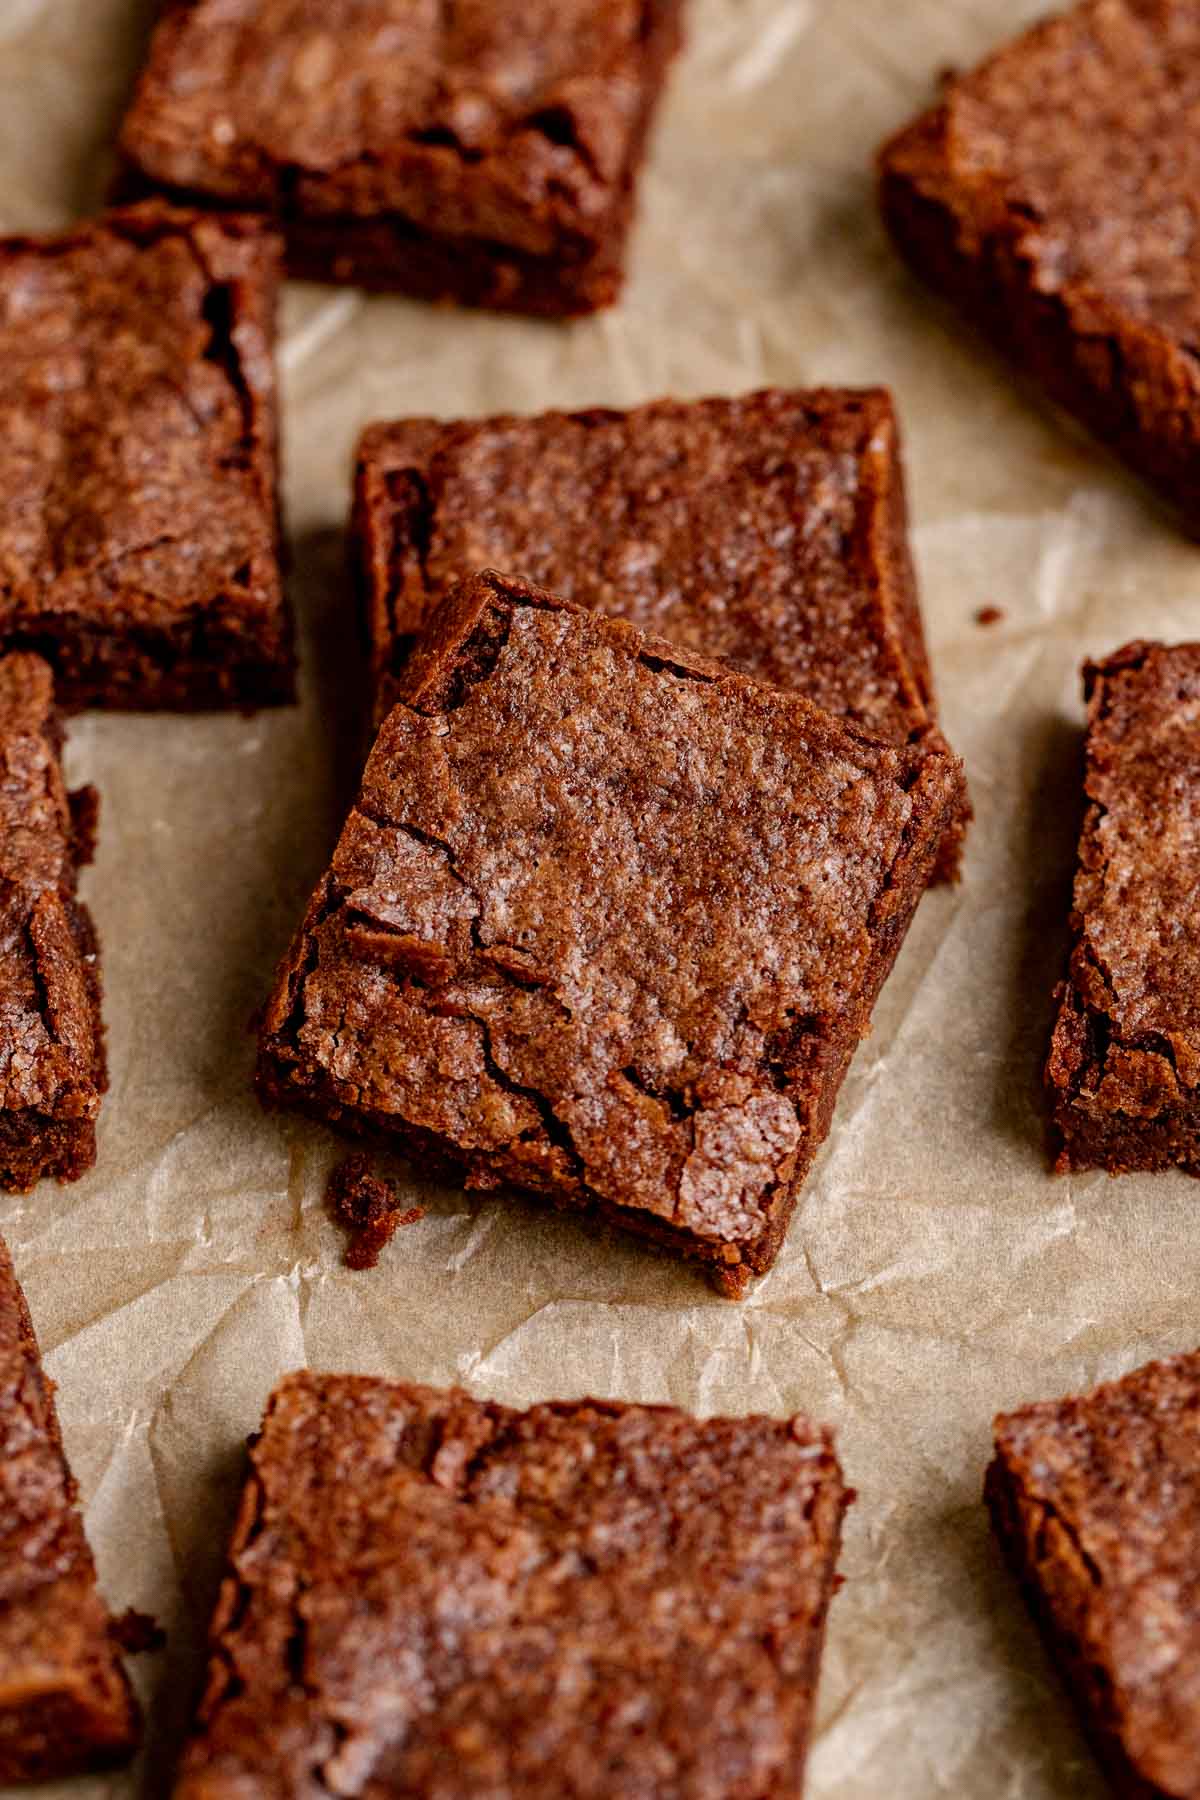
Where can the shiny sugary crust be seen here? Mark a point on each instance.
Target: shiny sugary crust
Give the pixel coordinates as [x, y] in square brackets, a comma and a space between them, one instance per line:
[768, 530]
[485, 153]
[435, 1597]
[1096, 1502]
[1052, 195]
[606, 924]
[65, 1704]
[139, 521]
[1124, 1069]
[51, 1034]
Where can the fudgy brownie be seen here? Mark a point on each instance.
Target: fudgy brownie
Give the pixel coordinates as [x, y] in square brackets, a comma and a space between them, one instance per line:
[769, 531]
[65, 1704]
[432, 1596]
[139, 528]
[1054, 195]
[485, 152]
[606, 923]
[1096, 1501]
[52, 1062]
[1124, 1068]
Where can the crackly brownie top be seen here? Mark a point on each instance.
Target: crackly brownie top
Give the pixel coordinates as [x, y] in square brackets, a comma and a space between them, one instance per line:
[598, 907]
[505, 119]
[768, 530]
[432, 1595]
[136, 389]
[1138, 933]
[1119, 1471]
[47, 1036]
[1079, 137]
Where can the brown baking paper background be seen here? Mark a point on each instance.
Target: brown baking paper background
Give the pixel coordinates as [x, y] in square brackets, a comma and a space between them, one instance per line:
[934, 1272]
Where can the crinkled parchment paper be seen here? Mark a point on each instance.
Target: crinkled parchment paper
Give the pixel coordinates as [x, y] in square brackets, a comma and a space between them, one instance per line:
[935, 1272]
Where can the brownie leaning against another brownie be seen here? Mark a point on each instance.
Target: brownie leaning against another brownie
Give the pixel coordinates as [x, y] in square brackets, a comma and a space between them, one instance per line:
[52, 1061]
[486, 152]
[1096, 1502]
[139, 522]
[1054, 195]
[65, 1703]
[606, 923]
[768, 530]
[435, 1597]
[1123, 1075]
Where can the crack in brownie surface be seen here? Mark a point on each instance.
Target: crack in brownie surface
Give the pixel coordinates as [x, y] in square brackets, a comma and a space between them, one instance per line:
[606, 922]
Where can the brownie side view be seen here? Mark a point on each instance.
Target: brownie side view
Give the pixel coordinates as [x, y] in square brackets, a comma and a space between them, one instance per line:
[486, 152]
[65, 1704]
[139, 522]
[1096, 1503]
[1123, 1076]
[433, 1596]
[52, 1061]
[605, 924]
[768, 530]
[1054, 196]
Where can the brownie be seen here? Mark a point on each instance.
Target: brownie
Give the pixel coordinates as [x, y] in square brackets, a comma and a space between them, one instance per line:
[52, 1061]
[769, 531]
[1054, 195]
[606, 923]
[65, 1704]
[485, 152]
[1096, 1502]
[437, 1597]
[1124, 1070]
[139, 527]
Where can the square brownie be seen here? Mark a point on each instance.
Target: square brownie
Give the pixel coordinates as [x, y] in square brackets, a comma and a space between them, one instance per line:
[1052, 194]
[52, 1062]
[769, 531]
[433, 1596]
[1096, 1502]
[65, 1704]
[139, 527]
[606, 923]
[1124, 1070]
[485, 152]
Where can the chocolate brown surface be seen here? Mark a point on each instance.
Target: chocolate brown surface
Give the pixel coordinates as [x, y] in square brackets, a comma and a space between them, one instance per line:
[52, 1062]
[139, 534]
[432, 1596]
[606, 923]
[485, 152]
[768, 530]
[1124, 1068]
[1054, 194]
[1096, 1501]
[65, 1704]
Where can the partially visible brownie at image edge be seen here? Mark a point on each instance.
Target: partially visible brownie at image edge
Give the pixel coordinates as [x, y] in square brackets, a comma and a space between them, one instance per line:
[65, 1703]
[768, 530]
[1054, 196]
[1123, 1075]
[139, 519]
[606, 924]
[1096, 1503]
[430, 1595]
[52, 1061]
[486, 153]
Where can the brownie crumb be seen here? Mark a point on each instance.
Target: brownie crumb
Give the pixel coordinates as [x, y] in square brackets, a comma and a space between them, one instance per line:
[990, 615]
[137, 1632]
[365, 1205]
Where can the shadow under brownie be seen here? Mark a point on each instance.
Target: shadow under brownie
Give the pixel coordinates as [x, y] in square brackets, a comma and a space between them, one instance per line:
[486, 152]
[606, 924]
[139, 522]
[438, 1597]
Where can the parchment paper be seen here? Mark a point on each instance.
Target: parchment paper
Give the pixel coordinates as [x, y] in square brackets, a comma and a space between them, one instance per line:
[935, 1272]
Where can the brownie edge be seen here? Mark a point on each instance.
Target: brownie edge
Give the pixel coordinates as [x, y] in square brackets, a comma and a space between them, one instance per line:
[430, 1596]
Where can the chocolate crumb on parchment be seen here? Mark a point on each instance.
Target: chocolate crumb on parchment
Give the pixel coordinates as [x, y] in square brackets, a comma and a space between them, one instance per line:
[365, 1205]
